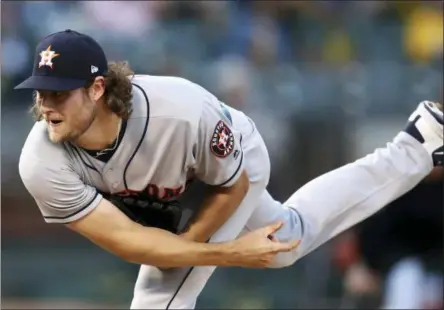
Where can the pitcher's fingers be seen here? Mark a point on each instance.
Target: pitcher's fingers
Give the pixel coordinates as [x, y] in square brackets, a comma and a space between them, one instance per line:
[273, 238]
[270, 229]
[294, 244]
[287, 246]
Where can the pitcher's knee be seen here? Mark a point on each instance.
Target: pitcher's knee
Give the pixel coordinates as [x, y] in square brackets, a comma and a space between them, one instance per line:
[284, 260]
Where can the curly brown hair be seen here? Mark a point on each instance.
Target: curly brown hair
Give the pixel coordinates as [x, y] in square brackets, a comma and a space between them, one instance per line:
[118, 90]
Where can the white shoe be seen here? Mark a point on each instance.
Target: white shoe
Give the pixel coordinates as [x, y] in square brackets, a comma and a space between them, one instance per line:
[425, 124]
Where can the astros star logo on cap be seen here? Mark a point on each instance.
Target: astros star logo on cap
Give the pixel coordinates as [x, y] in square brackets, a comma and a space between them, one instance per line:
[46, 57]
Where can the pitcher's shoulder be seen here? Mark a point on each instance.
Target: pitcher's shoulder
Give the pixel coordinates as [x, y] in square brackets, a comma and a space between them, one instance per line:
[173, 97]
[38, 146]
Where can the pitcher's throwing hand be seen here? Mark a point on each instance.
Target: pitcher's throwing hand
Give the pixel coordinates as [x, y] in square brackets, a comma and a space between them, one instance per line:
[257, 250]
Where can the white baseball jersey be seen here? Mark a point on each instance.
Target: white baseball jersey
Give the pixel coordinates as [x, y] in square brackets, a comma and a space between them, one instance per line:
[177, 131]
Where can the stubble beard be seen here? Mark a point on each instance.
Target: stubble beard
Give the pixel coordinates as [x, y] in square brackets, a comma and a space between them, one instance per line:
[73, 134]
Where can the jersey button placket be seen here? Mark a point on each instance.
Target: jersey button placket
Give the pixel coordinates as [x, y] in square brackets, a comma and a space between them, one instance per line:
[110, 178]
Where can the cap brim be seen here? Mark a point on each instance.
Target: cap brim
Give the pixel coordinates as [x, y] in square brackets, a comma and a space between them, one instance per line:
[51, 83]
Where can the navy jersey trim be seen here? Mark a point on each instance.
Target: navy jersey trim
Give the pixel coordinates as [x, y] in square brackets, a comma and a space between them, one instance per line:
[235, 173]
[78, 211]
[106, 154]
[187, 275]
[143, 135]
[300, 220]
[238, 167]
[86, 164]
[179, 287]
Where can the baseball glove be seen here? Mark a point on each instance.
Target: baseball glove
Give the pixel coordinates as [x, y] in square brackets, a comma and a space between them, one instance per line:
[163, 215]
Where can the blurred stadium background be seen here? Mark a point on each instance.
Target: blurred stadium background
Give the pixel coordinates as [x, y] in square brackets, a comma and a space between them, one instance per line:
[325, 81]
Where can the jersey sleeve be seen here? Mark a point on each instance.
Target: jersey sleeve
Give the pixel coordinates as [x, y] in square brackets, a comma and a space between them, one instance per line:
[60, 194]
[219, 152]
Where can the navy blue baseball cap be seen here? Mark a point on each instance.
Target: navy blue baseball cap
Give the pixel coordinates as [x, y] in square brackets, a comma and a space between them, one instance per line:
[65, 61]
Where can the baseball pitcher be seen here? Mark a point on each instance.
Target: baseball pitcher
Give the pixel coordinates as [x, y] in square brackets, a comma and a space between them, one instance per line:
[111, 152]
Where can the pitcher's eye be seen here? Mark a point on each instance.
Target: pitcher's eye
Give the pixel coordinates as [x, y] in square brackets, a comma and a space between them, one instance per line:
[58, 94]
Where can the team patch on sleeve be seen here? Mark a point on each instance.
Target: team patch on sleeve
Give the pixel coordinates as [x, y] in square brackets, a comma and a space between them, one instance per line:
[222, 141]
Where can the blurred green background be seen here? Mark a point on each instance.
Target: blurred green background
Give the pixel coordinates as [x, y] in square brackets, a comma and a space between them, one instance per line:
[325, 81]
